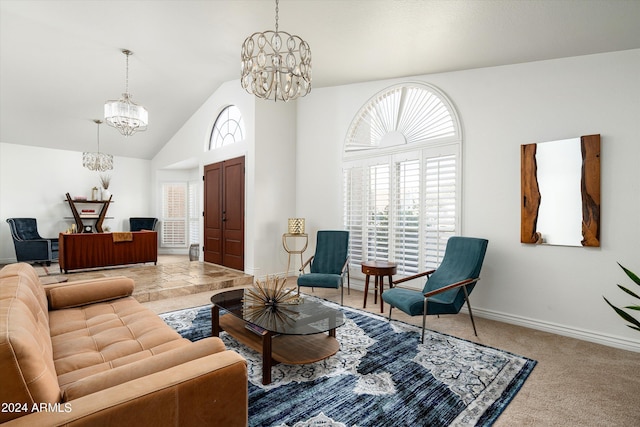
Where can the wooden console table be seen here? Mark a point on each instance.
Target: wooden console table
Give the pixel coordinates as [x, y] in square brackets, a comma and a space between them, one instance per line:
[93, 250]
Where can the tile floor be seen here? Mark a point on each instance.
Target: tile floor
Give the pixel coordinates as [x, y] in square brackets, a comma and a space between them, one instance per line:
[174, 276]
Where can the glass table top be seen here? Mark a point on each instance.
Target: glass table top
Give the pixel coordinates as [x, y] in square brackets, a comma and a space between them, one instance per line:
[305, 318]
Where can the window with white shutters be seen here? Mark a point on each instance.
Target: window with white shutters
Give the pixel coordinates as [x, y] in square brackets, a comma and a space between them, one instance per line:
[440, 202]
[406, 219]
[194, 213]
[354, 211]
[174, 215]
[402, 179]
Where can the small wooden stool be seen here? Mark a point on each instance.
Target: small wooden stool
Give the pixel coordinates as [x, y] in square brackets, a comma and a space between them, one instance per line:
[378, 269]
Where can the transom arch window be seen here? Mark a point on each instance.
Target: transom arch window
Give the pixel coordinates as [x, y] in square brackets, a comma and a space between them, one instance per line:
[228, 128]
[403, 114]
[401, 178]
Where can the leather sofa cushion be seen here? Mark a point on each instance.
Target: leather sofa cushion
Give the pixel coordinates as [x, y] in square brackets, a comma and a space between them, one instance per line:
[91, 335]
[76, 294]
[142, 368]
[70, 377]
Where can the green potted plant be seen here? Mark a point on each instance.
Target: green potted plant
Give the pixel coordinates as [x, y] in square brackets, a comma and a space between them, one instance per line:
[635, 324]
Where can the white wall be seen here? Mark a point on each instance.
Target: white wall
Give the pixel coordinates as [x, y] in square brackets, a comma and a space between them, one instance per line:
[34, 180]
[547, 287]
[275, 185]
[269, 150]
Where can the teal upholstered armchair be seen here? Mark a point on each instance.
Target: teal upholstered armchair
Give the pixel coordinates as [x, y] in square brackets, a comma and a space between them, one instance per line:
[330, 263]
[448, 287]
[30, 247]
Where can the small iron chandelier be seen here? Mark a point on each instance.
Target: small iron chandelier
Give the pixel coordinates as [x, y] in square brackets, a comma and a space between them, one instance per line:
[97, 161]
[123, 114]
[276, 65]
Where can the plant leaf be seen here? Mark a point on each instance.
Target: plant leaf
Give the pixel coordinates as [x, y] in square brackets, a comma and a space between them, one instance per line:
[633, 294]
[624, 315]
[631, 275]
[633, 327]
[633, 307]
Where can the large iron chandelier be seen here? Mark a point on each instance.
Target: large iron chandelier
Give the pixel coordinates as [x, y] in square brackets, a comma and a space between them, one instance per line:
[97, 161]
[123, 114]
[276, 65]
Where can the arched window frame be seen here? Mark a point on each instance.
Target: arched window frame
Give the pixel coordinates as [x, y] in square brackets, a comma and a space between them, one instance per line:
[402, 194]
[228, 128]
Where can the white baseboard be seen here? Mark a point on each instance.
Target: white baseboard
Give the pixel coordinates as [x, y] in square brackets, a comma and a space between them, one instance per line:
[554, 328]
[541, 325]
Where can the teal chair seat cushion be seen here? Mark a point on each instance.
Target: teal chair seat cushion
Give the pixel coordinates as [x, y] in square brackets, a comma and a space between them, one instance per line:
[412, 302]
[320, 280]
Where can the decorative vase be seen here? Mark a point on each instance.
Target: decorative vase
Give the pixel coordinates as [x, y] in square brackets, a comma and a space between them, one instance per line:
[296, 226]
[106, 194]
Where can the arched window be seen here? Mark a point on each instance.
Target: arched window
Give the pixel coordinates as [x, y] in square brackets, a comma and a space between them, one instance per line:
[402, 178]
[228, 128]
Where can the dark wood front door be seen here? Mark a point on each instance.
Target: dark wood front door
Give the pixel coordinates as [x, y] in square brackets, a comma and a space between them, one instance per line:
[224, 213]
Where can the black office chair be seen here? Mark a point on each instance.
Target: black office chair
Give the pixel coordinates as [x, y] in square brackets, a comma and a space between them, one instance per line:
[30, 247]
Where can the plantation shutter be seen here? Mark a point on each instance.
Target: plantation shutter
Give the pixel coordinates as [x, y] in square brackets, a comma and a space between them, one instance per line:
[440, 201]
[174, 215]
[354, 212]
[406, 217]
[377, 210]
[194, 218]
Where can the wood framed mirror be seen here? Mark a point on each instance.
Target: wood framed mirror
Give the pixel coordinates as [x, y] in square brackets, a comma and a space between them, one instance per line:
[560, 192]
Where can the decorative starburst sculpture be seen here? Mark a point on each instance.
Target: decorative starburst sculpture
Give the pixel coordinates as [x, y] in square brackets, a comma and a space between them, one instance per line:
[268, 301]
[271, 292]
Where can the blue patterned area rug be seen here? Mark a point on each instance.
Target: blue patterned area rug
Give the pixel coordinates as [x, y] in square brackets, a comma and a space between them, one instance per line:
[382, 376]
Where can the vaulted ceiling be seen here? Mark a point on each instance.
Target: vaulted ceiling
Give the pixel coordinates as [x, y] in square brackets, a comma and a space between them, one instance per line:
[60, 60]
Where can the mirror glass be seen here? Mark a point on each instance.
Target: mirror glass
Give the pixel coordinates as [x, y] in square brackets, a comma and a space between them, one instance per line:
[561, 192]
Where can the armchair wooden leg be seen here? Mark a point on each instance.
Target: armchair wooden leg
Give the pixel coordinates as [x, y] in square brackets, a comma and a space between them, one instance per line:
[466, 297]
[390, 308]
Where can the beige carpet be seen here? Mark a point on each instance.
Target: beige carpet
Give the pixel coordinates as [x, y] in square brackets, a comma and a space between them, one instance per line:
[576, 383]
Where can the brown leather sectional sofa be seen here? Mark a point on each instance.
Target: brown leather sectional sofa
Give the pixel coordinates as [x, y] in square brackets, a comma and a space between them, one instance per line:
[86, 353]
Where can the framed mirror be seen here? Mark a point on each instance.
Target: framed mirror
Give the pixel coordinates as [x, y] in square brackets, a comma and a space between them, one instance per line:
[560, 192]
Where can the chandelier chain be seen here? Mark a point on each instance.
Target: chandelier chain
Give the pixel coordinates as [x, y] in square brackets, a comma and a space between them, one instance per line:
[126, 75]
[277, 10]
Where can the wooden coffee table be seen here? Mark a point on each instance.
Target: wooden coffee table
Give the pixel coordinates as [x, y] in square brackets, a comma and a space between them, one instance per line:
[293, 334]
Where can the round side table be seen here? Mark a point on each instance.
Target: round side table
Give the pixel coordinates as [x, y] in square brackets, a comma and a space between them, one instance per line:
[377, 269]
